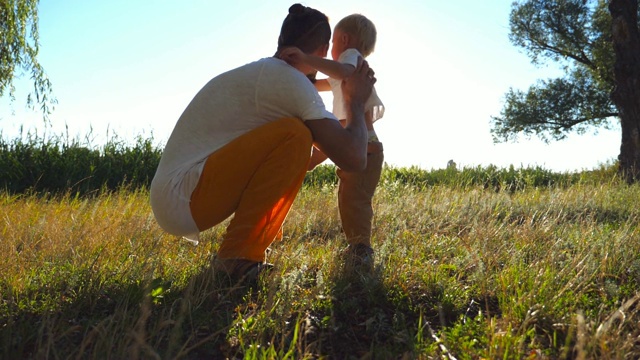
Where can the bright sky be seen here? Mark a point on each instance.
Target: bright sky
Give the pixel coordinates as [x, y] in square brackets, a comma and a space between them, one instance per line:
[443, 67]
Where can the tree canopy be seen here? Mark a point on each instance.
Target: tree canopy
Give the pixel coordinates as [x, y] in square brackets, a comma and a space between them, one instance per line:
[576, 34]
[19, 45]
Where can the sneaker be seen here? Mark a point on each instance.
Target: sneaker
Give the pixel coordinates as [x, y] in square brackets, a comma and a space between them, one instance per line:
[359, 255]
[241, 270]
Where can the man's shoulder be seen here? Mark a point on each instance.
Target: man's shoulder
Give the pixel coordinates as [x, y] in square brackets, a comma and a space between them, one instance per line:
[273, 63]
[261, 64]
[276, 71]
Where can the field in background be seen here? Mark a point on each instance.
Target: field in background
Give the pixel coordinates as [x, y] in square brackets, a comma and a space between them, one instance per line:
[64, 165]
[471, 263]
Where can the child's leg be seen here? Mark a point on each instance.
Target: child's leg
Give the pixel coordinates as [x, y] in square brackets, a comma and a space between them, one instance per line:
[355, 194]
[255, 177]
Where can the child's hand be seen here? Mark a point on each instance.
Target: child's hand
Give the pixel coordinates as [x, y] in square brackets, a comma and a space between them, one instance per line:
[292, 55]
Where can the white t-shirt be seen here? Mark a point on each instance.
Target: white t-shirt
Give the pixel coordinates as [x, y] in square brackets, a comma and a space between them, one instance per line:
[373, 104]
[228, 106]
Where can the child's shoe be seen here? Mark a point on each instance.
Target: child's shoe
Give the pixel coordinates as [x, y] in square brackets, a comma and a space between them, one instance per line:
[360, 256]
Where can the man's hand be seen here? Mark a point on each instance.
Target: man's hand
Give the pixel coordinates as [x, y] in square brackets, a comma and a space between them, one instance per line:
[357, 87]
[292, 55]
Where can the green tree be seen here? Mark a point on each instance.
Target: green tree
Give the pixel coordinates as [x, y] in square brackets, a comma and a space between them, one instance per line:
[577, 35]
[19, 47]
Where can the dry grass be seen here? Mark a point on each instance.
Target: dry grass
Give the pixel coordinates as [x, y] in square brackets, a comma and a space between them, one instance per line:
[464, 273]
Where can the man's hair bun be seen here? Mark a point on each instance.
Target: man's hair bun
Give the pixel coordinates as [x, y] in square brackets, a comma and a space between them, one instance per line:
[296, 9]
[305, 28]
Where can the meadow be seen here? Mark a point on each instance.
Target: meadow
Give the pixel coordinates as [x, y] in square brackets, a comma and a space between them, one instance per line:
[474, 263]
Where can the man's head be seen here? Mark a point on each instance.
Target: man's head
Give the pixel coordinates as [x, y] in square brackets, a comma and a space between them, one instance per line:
[306, 28]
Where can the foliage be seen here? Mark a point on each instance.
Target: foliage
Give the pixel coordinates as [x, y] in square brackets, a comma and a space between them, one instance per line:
[577, 35]
[59, 165]
[464, 272]
[19, 46]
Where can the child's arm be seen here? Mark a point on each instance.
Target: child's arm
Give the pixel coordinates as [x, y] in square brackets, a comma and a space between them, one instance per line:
[328, 67]
[322, 85]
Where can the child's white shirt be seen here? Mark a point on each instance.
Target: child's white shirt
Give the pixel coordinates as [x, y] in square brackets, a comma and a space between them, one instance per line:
[373, 104]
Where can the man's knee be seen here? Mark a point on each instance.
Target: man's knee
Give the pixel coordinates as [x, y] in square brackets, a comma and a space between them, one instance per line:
[298, 138]
[298, 129]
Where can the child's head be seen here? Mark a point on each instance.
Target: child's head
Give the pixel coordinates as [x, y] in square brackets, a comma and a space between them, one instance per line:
[361, 34]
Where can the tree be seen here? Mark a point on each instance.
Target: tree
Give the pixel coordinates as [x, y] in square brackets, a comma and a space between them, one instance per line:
[576, 34]
[19, 48]
[626, 94]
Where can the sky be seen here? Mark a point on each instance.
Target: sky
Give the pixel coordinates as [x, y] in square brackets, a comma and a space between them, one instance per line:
[129, 68]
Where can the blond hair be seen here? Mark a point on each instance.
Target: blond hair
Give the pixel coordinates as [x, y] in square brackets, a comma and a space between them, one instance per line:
[362, 29]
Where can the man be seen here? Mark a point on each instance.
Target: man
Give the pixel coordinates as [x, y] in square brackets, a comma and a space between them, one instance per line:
[242, 146]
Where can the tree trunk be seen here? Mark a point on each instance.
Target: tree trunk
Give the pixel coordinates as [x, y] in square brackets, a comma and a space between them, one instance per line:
[626, 94]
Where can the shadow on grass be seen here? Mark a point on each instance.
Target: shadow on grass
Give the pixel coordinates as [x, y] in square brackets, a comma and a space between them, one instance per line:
[135, 319]
[369, 321]
[367, 317]
[375, 318]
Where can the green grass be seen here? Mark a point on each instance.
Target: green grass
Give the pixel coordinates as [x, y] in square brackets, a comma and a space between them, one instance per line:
[471, 264]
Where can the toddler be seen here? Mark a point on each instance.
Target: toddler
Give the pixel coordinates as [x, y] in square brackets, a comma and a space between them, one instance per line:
[354, 36]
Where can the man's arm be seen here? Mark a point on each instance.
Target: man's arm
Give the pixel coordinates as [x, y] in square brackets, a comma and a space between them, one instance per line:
[322, 85]
[347, 146]
[317, 157]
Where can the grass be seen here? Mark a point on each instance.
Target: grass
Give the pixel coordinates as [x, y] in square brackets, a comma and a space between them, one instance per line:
[465, 272]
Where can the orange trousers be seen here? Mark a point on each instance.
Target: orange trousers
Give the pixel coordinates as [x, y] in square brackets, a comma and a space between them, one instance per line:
[255, 178]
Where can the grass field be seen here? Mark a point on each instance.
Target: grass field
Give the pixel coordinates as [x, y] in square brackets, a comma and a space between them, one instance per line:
[465, 271]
